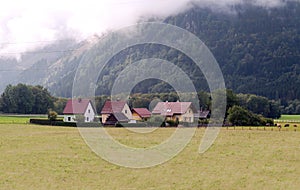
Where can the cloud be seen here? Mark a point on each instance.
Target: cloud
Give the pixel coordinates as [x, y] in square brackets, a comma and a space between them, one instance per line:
[26, 25]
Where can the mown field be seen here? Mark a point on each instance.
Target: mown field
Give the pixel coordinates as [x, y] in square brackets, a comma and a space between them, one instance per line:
[41, 157]
[17, 119]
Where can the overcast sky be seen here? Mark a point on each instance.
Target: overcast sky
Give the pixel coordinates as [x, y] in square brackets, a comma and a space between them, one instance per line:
[25, 25]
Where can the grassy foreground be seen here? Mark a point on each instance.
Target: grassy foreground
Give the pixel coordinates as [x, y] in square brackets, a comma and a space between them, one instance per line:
[34, 157]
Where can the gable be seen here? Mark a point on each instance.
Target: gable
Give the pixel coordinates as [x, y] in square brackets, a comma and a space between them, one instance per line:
[90, 108]
[77, 106]
[113, 107]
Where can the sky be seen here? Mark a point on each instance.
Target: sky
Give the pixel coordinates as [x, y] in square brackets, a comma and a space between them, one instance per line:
[27, 25]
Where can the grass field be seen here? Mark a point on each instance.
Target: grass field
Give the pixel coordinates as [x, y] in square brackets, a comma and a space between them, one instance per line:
[17, 119]
[35, 157]
[290, 117]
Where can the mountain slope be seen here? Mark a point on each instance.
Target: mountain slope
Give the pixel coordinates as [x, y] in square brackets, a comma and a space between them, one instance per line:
[258, 51]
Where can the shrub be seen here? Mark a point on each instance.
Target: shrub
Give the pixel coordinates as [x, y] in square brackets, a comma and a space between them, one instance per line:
[52, 115]
[172, 123]
[241, 117]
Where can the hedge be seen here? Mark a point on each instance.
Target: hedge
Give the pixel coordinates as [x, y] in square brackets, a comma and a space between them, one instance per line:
[62, 123]
[131, 125]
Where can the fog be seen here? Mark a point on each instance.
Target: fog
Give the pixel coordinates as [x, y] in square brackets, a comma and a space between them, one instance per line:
[27, 25]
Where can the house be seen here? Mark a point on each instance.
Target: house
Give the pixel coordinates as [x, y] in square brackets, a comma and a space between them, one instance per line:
[140, 114]
[115, 107]
[79, 108]
[176, 111]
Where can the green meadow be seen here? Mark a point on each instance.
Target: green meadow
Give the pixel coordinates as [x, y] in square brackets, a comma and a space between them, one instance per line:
[5, 119]
[290, 117]
[45, 157]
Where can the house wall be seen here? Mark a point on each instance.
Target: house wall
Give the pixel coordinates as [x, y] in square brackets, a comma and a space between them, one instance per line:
[89, 114]
[104, 117]
[69, 118]
[188, 116]
[136, 116]
[126, 111]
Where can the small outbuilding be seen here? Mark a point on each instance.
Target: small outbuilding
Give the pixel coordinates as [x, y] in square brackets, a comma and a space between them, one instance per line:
[140, 114]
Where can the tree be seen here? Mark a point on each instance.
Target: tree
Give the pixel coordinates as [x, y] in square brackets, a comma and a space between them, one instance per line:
[26, 99]
[52, 115]
[42, 99]
[238, 115]
[259, 105]
[17, 99]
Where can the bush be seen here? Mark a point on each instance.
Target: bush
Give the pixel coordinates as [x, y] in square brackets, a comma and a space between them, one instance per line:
[62, 123]
[172, 123]
[52, 115]
[80, 118]
[131, 125]
[241, 117]
[156, 120]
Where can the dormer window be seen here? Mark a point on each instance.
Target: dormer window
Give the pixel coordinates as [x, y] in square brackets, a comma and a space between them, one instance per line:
[169, 110]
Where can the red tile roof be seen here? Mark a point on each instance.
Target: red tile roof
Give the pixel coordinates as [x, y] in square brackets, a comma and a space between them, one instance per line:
[113, 107]
[76, 106]
[171, 108]
[142, 112]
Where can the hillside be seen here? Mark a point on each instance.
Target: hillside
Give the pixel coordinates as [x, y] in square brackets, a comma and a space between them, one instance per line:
[258, 51]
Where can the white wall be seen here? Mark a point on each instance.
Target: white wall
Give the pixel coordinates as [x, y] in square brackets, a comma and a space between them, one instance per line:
[89, 114]
[72, 117]
[127, 112]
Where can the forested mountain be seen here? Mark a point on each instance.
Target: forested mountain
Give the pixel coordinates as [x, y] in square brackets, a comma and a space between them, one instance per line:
[258, 50]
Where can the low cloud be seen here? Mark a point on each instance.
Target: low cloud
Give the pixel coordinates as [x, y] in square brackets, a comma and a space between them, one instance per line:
[26, 25]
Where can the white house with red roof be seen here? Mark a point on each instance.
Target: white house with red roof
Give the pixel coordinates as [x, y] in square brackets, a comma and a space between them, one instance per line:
[140, 114]
[176, 111]
[77, 107]
[119, 109]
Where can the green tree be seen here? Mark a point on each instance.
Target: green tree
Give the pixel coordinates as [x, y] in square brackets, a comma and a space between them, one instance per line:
[42, 100]
[240, 116]
[25, 99]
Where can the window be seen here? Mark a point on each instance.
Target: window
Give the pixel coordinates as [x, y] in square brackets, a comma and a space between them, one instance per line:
[125, 111]
[89, 111]
[69, 118]
[87, 118]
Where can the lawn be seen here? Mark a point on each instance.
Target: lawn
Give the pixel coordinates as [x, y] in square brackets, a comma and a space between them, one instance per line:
[41, 157]
[4, 119]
